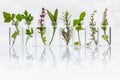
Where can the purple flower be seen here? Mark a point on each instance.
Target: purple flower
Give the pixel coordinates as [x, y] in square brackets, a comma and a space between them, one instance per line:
[42, 17]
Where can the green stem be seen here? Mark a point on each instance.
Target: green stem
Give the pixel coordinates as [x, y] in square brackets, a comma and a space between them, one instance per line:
[95, 41]
[27, 40]
[17, 30]
[42, 39]
[79, 37]
[54, 30]
[106, 36]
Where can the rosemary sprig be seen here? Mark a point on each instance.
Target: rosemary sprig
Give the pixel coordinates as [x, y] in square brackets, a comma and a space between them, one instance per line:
[67, 31]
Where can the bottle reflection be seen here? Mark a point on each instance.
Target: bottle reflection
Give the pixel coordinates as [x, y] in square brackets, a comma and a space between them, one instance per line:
[78, 59]
[107, 54]
[94, 52]
[48, 58]
[43, 55]
[66, 54]
[13, 54]
[29, 56]
[78, 56]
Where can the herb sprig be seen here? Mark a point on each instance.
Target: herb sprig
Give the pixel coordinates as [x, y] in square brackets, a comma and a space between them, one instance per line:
[53, 18]
[28, 20]
[42, 29]
[77, 24]
[93, 29]
[104, 27]
[67, 31]
[14, 19]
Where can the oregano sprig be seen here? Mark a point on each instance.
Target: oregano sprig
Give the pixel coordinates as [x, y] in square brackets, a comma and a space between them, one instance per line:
[53, 18]
[41, 28]
[28, 20]
[77, 24]
[104, 27]
[14, 19]
[93, 29]
[67, 31]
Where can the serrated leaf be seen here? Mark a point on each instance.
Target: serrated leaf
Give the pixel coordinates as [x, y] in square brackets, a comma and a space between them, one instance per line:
[82, 15]
[6, 15]
[7, 20]
[28, 17]
[25, 12]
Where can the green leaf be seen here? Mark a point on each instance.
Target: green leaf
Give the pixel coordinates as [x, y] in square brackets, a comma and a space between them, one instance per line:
[55, 15]
[7, 20]
[79, 28]
[76, 43]
[25, 12]
[6, 15]
[105, 37]
[32, 31]
[75, 22]
[27, 17]
[44, 31]
[19, 17]
[82, 15]
[13, 16]
[28, 32]
[14, 35]
[104, 28]
[44, 39]
[51, 16]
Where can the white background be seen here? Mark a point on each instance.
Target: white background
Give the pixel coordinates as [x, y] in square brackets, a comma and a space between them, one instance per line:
[109, 71]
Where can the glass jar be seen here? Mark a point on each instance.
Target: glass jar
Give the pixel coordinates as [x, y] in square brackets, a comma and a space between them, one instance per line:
[15, 36]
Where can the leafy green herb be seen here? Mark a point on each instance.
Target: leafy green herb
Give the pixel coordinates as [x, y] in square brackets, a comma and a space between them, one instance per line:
[93, 29]
[77, 24]
[53, 18]
[14, 19]
[104, 27]
[67, 31]
[28, 20]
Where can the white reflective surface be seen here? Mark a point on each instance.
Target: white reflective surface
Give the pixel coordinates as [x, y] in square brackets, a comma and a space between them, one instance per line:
[60, 63]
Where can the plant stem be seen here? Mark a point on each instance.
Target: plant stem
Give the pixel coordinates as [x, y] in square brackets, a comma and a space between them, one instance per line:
[17, 30]
[54, 30]
[106, 36]
[68, 35]
[79, 37]
[95, 41]
[27, 40]
[42, 38]
[13, 41]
